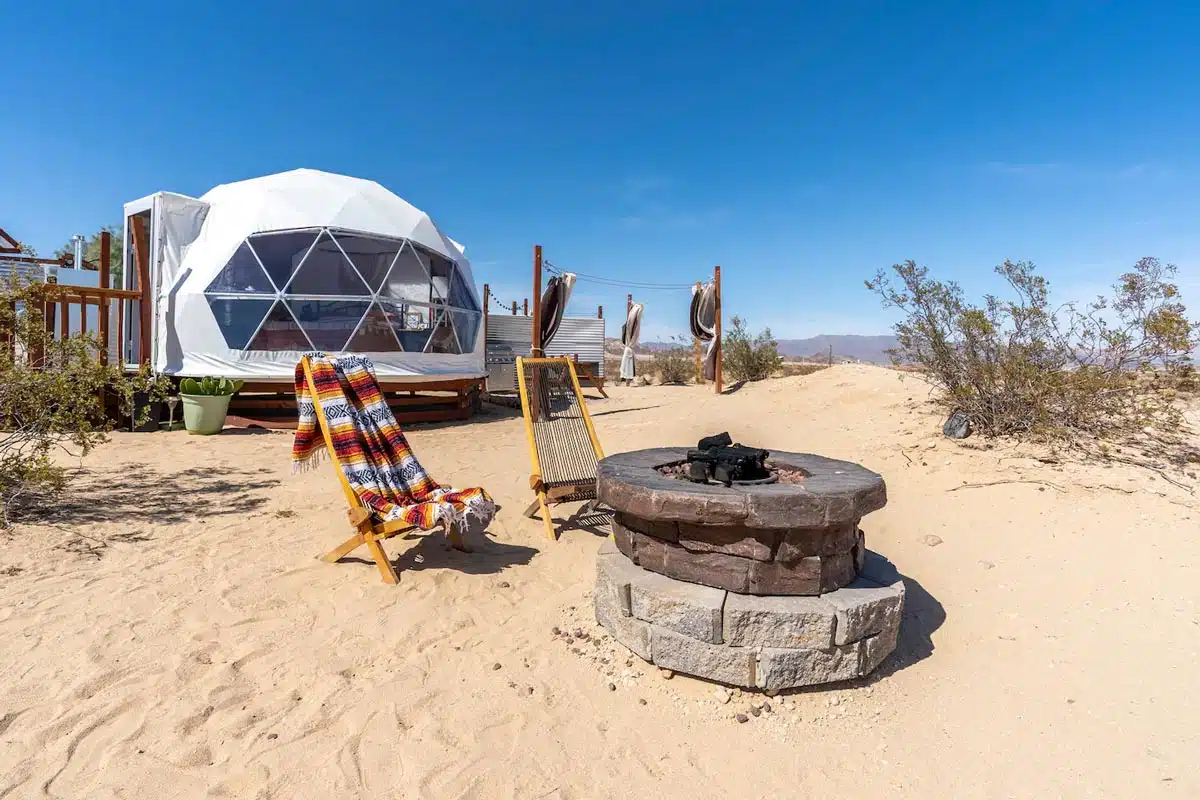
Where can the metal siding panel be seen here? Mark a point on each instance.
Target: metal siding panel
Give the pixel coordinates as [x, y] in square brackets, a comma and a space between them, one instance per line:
[508, 336]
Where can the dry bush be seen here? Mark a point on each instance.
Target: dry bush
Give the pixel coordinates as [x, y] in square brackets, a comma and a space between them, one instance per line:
[676, 364]
[747, 358]
[1021, 366]
[50, 399]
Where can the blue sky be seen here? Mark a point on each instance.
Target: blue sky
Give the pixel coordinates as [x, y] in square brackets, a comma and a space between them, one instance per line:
[799, 145]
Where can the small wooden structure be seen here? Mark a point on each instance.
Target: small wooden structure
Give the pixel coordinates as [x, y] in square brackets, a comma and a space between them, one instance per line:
[62, 300]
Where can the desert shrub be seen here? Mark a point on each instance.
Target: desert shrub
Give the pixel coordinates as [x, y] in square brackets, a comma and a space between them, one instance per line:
[51, 399]
[675, 364]
[747, 358]
[1021, 366]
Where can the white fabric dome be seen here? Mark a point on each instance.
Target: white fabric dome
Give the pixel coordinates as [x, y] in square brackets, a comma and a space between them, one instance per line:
[254, 273]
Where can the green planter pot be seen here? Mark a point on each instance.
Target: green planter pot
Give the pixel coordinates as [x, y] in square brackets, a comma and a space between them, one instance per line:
[205, 414]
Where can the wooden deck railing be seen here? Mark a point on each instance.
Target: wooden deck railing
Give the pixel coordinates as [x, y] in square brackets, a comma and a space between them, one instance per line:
[63, 299]
[82, 297]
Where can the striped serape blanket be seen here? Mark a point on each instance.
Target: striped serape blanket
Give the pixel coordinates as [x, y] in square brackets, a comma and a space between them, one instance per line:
[371, 448]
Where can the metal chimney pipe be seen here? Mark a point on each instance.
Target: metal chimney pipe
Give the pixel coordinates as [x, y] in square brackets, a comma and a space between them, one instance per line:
[77, 240]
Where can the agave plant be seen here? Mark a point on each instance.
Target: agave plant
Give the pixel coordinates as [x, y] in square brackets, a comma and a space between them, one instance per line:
[209, 385]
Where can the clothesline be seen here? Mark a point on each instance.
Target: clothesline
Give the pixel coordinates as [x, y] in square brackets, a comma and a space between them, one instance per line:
[554, 270]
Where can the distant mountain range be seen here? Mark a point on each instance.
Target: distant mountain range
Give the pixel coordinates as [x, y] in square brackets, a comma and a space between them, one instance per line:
[871, 349]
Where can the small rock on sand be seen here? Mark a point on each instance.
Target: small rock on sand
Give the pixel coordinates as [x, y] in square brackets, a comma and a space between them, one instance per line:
[742, 718]
[986, 564]
[496, 665]
[931, 539]
[612, 687]
[666, 673]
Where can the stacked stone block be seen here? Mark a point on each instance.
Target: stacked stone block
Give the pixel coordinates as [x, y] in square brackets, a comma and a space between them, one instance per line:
[770, 643]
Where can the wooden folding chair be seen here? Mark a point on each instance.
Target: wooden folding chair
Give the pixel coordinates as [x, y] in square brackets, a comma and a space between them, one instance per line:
[368, 530]
[562, 442]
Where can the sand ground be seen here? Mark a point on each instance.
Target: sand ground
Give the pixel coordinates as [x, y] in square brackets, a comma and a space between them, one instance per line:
[173, 635]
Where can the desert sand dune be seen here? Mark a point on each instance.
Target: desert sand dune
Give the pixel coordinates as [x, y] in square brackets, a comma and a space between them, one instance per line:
[172, 635]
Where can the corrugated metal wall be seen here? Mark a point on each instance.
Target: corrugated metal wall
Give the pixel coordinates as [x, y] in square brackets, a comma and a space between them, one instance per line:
[508, 337]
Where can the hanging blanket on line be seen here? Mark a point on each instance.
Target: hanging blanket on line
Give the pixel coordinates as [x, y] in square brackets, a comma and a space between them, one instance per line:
[371, 448]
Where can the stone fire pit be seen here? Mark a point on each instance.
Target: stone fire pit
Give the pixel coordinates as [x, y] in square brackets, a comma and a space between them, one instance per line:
[767, 585]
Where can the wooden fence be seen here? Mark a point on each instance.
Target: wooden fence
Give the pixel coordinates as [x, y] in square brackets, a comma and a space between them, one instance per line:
[62, 299]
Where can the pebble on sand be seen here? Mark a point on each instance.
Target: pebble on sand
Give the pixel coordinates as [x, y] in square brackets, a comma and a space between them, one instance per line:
[496, 665]
[742, 718]
[931, 539]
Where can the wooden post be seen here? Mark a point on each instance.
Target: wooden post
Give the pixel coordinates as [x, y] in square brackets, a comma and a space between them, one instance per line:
[525, 307]
[696, 350]
[536, 351]
[64, 317]
[486, 302]
[599, 312]
[141, 250]
[717, 330]
[514, 308]
[102, 305]
[7, 336]
[42, 356]
[628, 305]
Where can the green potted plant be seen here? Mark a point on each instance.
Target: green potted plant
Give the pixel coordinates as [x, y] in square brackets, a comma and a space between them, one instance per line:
[206, 402]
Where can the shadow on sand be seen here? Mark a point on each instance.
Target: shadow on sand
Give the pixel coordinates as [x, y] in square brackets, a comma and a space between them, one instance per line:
[147, 495]
[433, 551]
[923, 615]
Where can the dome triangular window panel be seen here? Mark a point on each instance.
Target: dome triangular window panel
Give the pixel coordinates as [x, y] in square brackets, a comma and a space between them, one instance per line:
[280, 331]
[241, 275]
[372, 257]
[408, 282]
[440, 270]
[410, 323]
[326, 272]
[281, 253]
[443, 339]
[466, 325]
[329, 323]
[460, 295]
[374, 335]
[238, 318]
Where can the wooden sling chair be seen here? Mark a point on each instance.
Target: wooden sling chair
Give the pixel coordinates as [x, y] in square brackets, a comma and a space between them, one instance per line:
[368, 530]
[562, 442]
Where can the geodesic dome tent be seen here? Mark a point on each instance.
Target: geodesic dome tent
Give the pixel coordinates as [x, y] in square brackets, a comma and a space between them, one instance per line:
[251, 275]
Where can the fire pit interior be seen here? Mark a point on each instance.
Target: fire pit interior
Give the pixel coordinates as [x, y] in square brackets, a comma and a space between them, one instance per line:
[746, 566]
